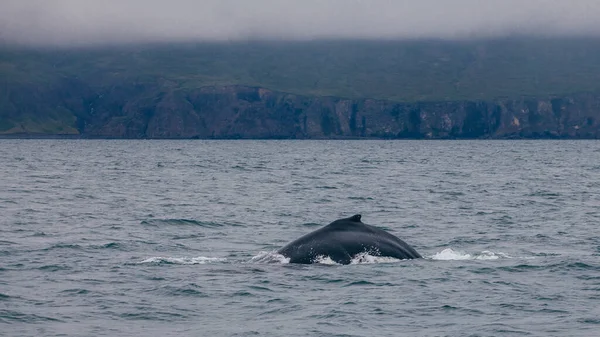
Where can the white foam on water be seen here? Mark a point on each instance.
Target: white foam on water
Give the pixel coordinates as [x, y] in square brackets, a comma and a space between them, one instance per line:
[366, 258]
[450, 254]
[184, 260]
[363, 258]
[325, 260]
[270, 257]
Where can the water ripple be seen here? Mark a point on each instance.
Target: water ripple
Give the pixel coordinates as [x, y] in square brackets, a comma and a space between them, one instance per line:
[171, 238]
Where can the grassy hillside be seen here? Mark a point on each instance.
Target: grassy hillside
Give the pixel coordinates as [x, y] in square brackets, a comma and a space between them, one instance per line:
[405, 71]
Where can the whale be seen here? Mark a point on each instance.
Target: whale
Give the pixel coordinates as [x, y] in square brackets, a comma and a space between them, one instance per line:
[344, 239]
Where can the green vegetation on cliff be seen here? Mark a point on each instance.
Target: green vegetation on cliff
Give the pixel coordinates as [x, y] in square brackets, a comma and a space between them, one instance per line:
[54, 91]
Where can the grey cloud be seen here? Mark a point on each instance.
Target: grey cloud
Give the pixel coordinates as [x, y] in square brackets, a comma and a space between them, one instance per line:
[107, 21]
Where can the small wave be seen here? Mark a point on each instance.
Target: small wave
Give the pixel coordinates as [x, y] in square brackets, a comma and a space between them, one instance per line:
[7, 316]
[180, 222]
[450, 254]
[269, 257]
[188, 290]
[76, 291]
[111, 245]
[189, 236]
[582, 266]
[589, 320]
[360, 198]
[359, 283]
[544, 193]
[240, 167]
[183, 260]
[149, 315]
[54, 267]
[311, 224]
[63, 246]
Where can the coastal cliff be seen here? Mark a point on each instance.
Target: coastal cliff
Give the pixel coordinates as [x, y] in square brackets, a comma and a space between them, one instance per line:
[250, 112]
[245, 112]
[498, 88]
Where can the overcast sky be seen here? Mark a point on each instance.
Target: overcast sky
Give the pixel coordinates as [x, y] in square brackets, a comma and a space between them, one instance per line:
[107, 21]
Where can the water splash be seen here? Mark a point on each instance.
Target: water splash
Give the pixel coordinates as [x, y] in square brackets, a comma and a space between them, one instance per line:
[270, 257]
[366, 258]
[450, 254]
[183, 260]
[325, 260]
[362, 258]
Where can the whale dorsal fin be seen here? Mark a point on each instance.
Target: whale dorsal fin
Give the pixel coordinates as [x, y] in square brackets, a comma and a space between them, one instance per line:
[345, 223]
[355, 218]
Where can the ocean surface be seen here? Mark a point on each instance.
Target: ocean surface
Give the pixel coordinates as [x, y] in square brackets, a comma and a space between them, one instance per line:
[177, 238]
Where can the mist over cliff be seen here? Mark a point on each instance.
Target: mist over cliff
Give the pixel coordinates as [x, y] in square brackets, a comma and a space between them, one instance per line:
[93, 22]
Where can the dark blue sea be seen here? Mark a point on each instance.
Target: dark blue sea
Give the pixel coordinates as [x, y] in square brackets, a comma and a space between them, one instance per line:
[177, 238]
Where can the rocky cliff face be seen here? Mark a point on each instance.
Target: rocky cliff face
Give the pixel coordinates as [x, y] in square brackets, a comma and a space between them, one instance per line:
[244, 112]
[168, 111]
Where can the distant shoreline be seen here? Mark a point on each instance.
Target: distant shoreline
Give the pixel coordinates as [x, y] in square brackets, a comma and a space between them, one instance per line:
[83, 137]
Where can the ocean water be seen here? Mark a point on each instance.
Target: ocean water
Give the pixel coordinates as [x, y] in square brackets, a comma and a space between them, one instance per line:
[177, 238]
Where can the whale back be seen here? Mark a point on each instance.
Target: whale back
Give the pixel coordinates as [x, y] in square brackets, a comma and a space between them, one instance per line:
[342, 239]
